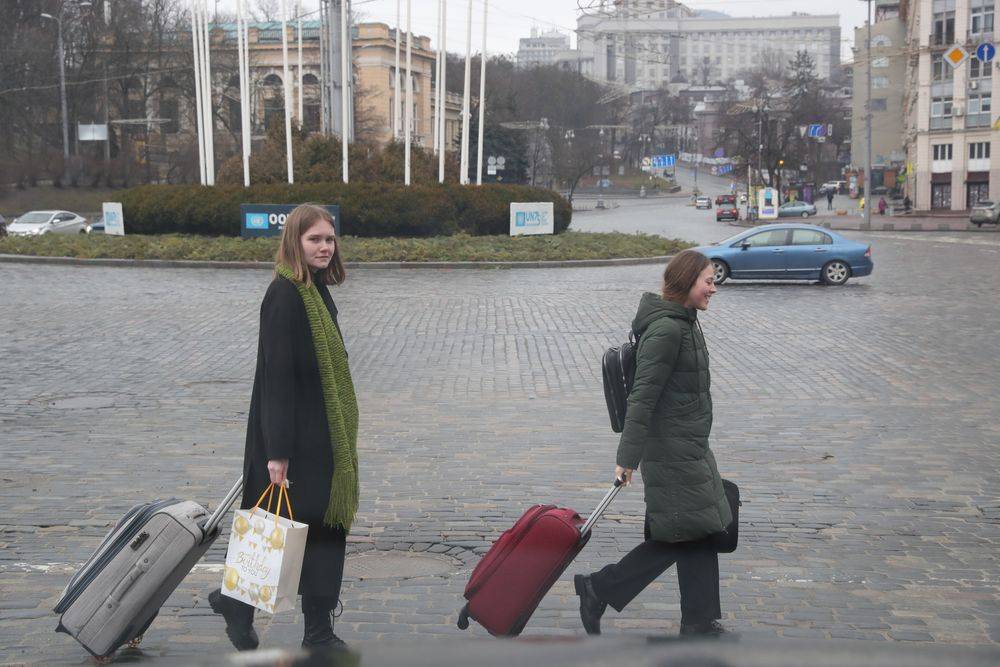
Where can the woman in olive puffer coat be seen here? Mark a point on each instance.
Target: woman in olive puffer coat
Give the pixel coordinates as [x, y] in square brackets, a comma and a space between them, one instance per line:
[667, 424]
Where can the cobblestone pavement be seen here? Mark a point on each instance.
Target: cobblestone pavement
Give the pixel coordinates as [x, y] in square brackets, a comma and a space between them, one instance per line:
[859, 421]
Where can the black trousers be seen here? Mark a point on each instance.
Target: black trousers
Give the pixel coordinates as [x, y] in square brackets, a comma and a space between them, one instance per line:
[697, 576]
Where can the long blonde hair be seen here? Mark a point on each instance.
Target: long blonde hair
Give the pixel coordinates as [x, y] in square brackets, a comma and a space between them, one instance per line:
[298, 222]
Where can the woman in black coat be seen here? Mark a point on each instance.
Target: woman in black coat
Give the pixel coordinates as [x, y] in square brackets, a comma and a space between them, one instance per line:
[303, 421]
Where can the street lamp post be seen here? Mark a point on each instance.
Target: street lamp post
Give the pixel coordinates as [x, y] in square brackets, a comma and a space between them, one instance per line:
[62, 74]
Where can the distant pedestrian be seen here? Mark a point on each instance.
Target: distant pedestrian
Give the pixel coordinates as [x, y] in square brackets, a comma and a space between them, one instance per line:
[829, 200]
[907, 203]
[882, 205]
[667, 425]
[861, 204]
[303, 421]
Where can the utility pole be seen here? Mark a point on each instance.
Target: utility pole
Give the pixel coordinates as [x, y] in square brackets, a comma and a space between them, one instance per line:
[868, 120]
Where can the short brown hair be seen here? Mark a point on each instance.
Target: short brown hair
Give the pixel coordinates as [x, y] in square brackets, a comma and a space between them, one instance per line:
[682, 273]
[298, 222]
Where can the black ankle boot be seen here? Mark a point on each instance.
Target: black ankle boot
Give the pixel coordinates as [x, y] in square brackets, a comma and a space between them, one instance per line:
[709, 629]
[239, 620]
[591, 606]
[317, 612]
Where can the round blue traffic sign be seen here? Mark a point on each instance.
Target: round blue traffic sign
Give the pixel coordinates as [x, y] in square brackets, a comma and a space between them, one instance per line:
[985, 52]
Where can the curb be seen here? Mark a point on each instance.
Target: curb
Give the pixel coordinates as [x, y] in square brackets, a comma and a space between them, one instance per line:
[195, 264]
[883, 227]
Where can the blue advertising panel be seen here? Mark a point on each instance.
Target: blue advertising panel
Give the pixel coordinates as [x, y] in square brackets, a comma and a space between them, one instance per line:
[257, 220]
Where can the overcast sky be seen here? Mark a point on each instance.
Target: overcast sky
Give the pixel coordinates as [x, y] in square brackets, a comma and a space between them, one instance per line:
[509, 20]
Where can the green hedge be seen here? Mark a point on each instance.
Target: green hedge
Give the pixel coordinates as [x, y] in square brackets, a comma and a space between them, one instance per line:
[367, 209]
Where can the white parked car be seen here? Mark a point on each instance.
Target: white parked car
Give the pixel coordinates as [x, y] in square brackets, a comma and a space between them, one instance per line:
[34, 223]
[702, 201]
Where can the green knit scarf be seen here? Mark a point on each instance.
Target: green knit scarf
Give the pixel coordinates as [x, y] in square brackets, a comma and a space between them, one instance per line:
[339, 401]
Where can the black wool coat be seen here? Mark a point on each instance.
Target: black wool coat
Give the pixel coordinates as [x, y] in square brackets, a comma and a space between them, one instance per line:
[288, 421]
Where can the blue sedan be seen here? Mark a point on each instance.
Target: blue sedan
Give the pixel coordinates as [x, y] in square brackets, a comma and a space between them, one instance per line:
[789, 252]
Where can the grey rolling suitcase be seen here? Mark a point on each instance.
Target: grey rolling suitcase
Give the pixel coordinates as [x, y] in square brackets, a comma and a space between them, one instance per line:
[119, 590]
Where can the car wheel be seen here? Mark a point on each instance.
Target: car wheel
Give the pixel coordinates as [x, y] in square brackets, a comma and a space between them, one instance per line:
[805, 214]
[979, 224]
[835, 273]
[721, 271]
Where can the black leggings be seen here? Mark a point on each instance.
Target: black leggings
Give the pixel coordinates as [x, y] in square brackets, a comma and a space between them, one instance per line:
[697, 576]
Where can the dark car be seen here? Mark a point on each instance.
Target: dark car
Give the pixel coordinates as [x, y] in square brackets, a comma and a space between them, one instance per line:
[727, 211]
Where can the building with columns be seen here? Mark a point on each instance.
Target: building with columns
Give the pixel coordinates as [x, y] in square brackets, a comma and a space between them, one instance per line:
[374, 71]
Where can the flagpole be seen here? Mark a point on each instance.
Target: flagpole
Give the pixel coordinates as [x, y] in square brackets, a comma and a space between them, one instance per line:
[396, 101]
[482, 98]
[244, 97]
[288, 90]
[345, 89]
[199, 116]
[408, 122]
[442, 89]
[463, 176]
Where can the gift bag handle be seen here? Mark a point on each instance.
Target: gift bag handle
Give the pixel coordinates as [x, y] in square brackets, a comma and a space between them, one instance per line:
[282, 494]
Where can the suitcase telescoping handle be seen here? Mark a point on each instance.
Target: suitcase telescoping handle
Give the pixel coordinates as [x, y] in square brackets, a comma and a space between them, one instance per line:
[596, 514]
[213, 521]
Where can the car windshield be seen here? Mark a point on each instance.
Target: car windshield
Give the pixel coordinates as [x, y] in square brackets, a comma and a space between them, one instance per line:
[34, 218]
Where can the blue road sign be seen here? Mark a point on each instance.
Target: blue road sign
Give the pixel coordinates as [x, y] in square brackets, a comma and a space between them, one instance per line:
[817, 130]
[985, 52]
[662, 161]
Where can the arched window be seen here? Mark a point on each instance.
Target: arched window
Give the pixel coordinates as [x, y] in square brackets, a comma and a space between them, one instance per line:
[272, 80]
[310, 79]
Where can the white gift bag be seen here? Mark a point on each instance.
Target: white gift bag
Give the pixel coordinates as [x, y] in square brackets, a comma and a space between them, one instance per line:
[265, 554]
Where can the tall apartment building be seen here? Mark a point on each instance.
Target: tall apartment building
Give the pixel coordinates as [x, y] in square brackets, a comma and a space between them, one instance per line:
[949, 119]
[648, 43]
[888, 70]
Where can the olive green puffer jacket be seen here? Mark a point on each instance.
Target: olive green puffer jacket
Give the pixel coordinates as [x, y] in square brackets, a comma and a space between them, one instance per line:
[667, 424]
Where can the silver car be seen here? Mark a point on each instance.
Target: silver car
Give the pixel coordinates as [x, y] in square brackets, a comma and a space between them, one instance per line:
[34, 223]
[985, 212]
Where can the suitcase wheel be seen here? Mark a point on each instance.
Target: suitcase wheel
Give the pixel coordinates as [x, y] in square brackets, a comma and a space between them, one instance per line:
[463, 618]
[134, 643]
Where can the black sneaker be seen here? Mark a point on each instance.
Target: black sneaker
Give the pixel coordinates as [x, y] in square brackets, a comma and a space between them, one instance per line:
[239, 621]
[591, 606]
[710, 629]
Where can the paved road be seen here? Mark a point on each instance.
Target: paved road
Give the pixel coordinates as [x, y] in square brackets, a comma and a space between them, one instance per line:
[859, 421]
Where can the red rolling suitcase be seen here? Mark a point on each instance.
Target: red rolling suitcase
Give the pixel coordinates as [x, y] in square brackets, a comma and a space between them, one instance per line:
[520, 568]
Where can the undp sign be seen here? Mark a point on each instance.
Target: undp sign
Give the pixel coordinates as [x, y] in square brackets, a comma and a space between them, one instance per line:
[532, 218]
[269, 219]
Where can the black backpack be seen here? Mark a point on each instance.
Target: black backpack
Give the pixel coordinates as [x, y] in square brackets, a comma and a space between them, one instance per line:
[618, 366]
